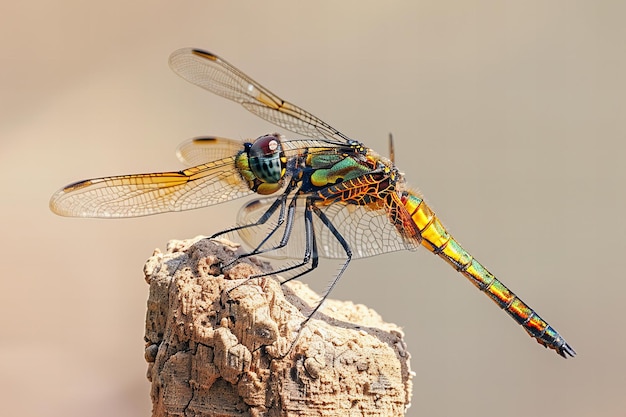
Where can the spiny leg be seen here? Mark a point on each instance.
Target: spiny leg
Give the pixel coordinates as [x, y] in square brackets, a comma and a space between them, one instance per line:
[310, 255]
[310, 249]
[280, 202]
[286, 234]
[310, 246]
[281, 219]
[346, 247]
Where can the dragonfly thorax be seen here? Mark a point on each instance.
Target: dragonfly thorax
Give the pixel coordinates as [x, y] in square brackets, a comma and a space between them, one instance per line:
[262, 164]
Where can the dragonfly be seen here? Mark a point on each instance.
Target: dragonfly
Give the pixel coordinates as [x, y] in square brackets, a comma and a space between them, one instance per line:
[322, 196]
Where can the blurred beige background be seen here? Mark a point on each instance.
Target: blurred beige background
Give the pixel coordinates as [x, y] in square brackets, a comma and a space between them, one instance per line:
[509, 116]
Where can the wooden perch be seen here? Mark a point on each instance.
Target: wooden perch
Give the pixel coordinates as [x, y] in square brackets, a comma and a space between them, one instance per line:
[215, 352]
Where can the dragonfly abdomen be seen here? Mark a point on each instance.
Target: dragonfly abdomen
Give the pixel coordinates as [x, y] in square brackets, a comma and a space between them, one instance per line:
[436, 239]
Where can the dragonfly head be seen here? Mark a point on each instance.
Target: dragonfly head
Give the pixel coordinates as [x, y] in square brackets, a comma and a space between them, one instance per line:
[263, 164]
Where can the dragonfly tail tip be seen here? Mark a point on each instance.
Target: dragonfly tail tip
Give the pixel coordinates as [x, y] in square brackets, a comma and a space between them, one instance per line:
[567, 350]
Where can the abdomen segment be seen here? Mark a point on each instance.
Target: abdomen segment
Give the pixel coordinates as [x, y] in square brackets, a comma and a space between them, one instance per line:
[436, 239]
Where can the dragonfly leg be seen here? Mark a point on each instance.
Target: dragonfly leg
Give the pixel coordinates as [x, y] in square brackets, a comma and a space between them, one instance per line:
[344, 244]
[326, 221]
[310, 250]
[280, 202]
[310, 247]
[286, 234]
[310, 254]
[279, 223]
[281, 219]
[346, 247]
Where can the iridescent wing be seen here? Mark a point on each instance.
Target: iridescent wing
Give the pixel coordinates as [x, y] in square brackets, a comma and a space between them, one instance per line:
[368, 231]
[145, 194]
[212, 73]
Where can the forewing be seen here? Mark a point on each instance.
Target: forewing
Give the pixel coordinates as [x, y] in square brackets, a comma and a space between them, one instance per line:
[146, 194]
[212, 73]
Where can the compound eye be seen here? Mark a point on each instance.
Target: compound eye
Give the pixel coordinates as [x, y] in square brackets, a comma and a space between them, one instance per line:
[265, 159]
[267, 145]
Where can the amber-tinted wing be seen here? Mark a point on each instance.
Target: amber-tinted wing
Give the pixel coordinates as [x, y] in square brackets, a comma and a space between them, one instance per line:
[145, 194]
[212, 73]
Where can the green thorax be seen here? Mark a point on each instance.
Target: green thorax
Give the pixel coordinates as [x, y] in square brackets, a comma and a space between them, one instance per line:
[331, 168]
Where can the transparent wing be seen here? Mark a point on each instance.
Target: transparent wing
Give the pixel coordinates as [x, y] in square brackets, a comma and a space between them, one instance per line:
[145, 194]
[200, 150]
[367, 230]
[212, 73]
